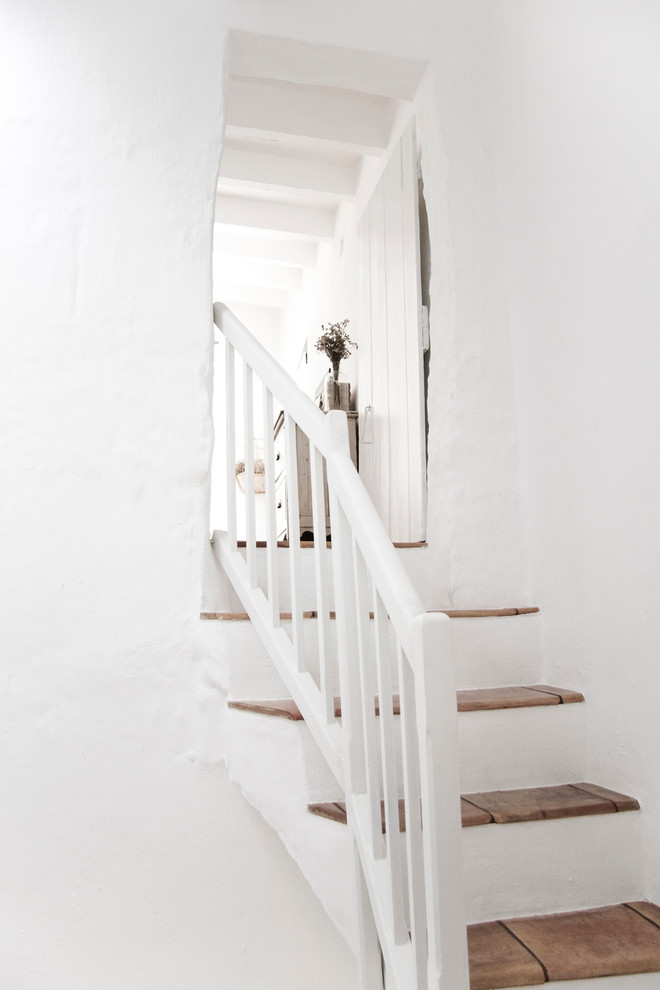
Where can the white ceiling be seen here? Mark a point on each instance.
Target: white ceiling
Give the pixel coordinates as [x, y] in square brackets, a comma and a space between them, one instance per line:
[301, 120]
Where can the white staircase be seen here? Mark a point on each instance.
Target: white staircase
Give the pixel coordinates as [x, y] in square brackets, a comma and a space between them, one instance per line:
[405, 895]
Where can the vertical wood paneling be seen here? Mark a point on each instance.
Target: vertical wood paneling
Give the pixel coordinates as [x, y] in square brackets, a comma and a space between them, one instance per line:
[400, 430]
[416, 413]
[379, 368]
[365, 362]
[390, 363]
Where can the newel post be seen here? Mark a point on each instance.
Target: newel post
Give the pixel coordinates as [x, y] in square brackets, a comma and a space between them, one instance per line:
[437, 733]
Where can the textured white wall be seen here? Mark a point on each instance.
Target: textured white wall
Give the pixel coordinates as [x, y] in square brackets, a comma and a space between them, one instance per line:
[541, 144]
[575, 112]
[127, 859]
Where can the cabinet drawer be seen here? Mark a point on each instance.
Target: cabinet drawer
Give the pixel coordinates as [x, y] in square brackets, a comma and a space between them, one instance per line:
[280, 508]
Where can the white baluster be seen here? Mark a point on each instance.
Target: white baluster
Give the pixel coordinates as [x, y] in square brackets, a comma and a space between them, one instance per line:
[271, 522]
[250, 528]
[344, 581]
[294, 541]
[390, 792]
[230, 413]
[412, 798]
[362, 584]
[327, 680]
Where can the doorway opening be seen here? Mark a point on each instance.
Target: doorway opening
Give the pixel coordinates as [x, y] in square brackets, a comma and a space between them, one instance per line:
[316, 138]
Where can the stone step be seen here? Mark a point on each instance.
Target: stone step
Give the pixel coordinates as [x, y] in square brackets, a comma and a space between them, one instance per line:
[526, 804]
[617, 940]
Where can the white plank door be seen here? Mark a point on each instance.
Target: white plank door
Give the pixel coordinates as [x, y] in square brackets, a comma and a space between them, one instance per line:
[390, 359]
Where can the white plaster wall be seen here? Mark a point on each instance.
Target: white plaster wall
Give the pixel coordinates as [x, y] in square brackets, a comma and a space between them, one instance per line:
[575, 111]
[540, 146]
[127, 859]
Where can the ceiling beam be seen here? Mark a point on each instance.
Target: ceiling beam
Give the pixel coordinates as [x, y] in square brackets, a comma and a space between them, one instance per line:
[264, 214]
[311, 116]
[258, 295]
[278, 171]
[284, 251]
[324, 65]
[247, 272]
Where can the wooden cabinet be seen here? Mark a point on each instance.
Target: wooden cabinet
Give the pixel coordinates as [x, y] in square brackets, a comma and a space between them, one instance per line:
[306, 519]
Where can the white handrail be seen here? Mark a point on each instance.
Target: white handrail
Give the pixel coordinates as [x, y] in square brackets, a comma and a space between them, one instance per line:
[421, 932]
[398, 592]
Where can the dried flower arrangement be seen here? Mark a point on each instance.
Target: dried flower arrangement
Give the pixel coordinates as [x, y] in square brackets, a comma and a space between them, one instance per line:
[335, 342]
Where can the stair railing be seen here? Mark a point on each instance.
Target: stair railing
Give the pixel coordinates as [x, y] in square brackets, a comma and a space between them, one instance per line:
[369, 619]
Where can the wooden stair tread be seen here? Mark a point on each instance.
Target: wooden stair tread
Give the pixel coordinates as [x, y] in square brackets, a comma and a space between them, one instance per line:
[307, 544]
[482, 699]
[618, 940]
[526, 804]
[452, 613]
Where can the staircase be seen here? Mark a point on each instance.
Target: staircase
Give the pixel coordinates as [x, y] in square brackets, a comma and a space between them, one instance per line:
[390, 788]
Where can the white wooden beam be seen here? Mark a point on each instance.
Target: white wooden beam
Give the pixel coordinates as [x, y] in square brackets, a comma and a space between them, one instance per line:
[312, 116]
[284, 251]
[324, 65]
[258, 295]
[264, 214]
[244, 271]
[272, 171]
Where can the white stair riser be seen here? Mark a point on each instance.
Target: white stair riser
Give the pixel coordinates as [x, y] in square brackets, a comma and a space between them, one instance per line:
[495, 651]
[532, 867]
[502, 749]
[552, 866]
[246, 669]
[489, 651]
[521, 747]
[219, 596]
[639, 981]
